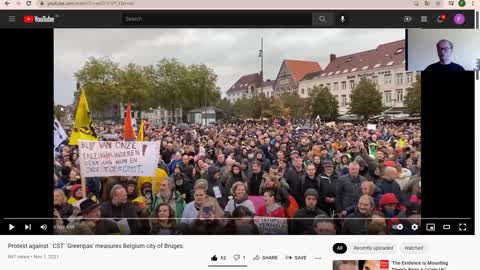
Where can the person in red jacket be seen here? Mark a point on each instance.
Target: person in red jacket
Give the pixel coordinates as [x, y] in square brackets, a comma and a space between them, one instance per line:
[271, 207]
[390, 207]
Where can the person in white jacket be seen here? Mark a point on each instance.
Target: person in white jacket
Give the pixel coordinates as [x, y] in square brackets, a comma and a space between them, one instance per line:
[239, 190]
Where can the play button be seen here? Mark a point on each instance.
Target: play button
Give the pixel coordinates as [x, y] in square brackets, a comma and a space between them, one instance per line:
[10, 227]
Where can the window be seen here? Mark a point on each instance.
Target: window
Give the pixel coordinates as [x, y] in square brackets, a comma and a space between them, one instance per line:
[352, 84]
[309, 90]
[303, 91]
[400, 50]
[399, 95]
[388, 96]
[335, 86]
[399, 79]
[344, 85]
[344, 100]
[336, 97]
[328, 86]
[349, 98]
[375, 79]
[388, 79]
[409, 77]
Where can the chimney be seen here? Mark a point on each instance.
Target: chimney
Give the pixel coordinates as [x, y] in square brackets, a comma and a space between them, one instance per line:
[332, 57]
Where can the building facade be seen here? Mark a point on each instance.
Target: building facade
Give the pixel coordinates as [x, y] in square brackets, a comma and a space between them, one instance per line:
[291, 73]
[244, 87]
[161, 116]
[385, 66]
[267, 88]
[204, 115]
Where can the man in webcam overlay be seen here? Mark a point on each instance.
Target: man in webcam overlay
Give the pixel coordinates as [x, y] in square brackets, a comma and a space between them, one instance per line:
[444, 50]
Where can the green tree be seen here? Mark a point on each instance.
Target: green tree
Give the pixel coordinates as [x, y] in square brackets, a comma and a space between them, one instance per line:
[413, 97]
[276, 108]
[202, 84]
[134, 86]
[323, 104]
[170, 84]
[243, 107]
[99, 77]
[295, 104]
[226, 107]
[366, 99]
[58, 112]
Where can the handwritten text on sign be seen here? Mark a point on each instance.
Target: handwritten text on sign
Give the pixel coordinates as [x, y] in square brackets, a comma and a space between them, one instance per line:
[118, 158]
[270, 225]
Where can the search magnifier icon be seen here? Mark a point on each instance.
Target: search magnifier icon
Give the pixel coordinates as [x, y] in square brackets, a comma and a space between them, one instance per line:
[322, 19]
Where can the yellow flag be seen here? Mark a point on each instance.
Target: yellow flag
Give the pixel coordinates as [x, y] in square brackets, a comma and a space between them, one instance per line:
[141, 132]
[82, 128]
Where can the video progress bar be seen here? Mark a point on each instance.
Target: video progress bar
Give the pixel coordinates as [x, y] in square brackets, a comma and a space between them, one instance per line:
[227, 265]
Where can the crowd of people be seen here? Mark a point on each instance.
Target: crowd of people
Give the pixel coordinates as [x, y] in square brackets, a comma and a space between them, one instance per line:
[223, 178]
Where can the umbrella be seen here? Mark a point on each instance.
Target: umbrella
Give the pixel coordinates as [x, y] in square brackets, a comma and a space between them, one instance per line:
[183, 126]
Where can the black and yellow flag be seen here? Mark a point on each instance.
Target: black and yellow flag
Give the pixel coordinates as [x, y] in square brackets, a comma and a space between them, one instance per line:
[82, 128]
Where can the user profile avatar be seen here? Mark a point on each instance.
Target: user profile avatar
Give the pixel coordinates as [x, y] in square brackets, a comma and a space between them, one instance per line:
[443, 50]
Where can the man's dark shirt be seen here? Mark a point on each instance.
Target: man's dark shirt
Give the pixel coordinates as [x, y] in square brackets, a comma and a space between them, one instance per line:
[437, 67]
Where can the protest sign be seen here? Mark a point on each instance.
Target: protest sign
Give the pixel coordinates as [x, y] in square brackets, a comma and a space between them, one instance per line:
[113, 136]
[118, 158]
[59, 134]
[371, 126]
[330, 124]
[258, 201]
[270, 225]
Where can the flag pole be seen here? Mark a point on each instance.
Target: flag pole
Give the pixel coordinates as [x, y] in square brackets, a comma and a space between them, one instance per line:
[84, 187]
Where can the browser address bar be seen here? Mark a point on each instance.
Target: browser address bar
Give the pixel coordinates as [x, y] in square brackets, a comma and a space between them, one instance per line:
[86, 4]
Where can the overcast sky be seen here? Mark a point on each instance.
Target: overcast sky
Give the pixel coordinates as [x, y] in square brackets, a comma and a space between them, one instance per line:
[231, 53]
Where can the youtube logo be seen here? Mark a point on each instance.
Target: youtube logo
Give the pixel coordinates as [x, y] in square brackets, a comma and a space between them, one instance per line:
[28, 19]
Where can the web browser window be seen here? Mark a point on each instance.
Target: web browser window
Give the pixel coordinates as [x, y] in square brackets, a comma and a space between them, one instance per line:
[240, 136]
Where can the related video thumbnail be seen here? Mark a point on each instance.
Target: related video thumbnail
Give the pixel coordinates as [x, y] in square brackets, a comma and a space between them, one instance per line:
[236, 131]
[360, 265]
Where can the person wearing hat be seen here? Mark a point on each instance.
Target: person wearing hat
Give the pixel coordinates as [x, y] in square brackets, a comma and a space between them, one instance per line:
[302, 222]
[183, 185]
[132, 192]
[90, 221]
[246, 168]
[318, 165]
[260, 156]
[328, 187]
[390, 207]
[236, 175]
[309, 181]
